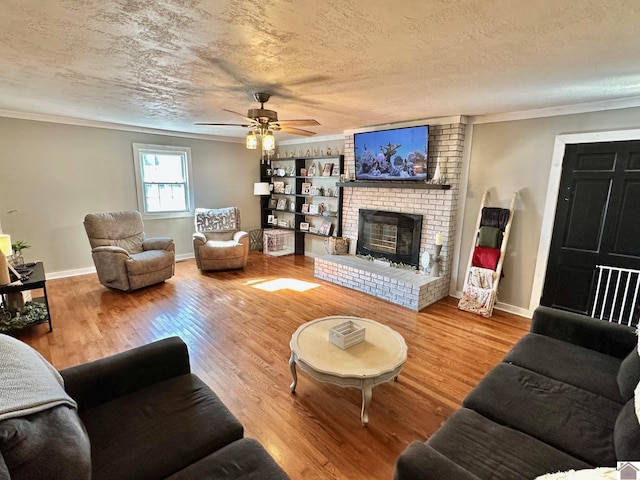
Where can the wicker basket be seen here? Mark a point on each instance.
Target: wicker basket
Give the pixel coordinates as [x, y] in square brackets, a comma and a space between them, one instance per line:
[336, 245]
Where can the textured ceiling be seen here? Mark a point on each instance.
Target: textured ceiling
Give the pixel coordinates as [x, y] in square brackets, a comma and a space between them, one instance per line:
[169, 63]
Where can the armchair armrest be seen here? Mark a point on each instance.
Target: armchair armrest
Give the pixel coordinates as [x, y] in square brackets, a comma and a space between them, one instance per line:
[102, 380]
[158, 243]
[199, 239]
[241, 237]
[421, 462]
[599, 335]
[110, 249]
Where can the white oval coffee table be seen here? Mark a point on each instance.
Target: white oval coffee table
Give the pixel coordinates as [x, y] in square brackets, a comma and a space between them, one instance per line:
[378, 359]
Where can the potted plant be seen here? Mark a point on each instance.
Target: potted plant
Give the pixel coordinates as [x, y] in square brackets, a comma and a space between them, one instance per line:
[17, 247]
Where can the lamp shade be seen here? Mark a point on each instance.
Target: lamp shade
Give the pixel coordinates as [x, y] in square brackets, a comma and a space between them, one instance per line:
[5, 244]
[268, 141]
[252, 141]
[261, 188]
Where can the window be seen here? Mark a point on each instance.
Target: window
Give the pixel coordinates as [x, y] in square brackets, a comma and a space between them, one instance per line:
[163, 180]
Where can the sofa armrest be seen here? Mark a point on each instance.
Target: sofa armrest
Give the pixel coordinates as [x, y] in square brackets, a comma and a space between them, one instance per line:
[102, 380]
[158, 243]
[421, 462]
[599, 335]
[199, 239]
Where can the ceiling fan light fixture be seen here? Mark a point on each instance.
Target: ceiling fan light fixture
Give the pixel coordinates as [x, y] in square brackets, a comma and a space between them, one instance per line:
[268, 141]
[252, 140]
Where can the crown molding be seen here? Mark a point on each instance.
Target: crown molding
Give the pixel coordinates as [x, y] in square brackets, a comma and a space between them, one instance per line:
[39, 117]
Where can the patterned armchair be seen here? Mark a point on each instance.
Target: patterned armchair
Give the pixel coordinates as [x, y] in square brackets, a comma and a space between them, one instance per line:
[218, 243]
[124, 258]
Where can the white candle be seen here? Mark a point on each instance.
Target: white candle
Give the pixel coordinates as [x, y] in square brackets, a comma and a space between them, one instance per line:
[438, 238]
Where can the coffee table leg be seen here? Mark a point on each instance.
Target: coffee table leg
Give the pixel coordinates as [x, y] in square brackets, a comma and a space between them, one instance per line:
[292, 367]
[367, 393]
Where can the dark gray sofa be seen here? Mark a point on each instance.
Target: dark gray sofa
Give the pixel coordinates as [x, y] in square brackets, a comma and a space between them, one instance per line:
[148, 417]
[561, 399]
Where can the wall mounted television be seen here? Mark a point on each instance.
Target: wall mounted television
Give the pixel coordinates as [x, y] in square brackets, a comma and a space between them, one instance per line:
[396, 154]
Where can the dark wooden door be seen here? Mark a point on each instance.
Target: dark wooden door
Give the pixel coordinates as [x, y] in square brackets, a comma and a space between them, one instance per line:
[597, 221]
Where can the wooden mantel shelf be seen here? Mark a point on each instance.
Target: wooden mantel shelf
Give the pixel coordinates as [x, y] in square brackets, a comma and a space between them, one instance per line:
[391, 184]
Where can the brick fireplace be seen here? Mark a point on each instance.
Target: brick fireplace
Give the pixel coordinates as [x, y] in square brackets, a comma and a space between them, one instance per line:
[437, 207]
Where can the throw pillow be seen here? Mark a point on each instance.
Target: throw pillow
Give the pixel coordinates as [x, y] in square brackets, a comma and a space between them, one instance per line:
[600, 473]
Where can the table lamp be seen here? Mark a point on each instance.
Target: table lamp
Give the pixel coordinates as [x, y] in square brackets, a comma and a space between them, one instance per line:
[5, 249]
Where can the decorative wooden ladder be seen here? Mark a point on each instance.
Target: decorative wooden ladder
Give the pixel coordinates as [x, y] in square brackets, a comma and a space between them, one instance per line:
[481, 299]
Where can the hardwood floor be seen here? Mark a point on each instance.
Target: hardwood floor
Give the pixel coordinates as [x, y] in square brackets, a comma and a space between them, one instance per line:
[238, 324]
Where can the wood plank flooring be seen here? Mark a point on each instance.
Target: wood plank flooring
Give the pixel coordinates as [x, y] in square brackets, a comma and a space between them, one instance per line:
[238, 324]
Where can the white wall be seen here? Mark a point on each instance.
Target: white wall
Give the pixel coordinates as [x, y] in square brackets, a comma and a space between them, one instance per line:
[53, 174]
[510, 156]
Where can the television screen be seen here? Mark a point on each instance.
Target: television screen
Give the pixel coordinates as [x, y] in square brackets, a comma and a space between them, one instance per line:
[397, 154]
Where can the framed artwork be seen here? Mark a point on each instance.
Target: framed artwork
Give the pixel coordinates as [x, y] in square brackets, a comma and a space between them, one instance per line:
[304, 226]
[292, 206]
[313, 230]
[306, 188]
[287, 189]
[312, 190]
[303, 172]
[312, 170]
[314, 209]
[305, 208]
[326, 171]
[273, 203]
[282, 204]
[335, 171]
[270, 219]
[325, 228]
[283, 223]
[278, 187]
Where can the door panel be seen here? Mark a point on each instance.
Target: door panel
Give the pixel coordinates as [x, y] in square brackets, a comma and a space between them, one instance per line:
[596, 221]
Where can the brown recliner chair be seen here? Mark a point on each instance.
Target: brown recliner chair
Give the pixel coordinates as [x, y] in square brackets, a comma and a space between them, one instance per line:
[123, 257]
[218, 243]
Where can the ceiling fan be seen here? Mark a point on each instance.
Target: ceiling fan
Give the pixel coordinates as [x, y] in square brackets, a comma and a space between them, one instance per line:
[262, 120]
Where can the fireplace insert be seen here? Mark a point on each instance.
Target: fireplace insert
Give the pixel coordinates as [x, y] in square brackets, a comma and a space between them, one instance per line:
[393, 236]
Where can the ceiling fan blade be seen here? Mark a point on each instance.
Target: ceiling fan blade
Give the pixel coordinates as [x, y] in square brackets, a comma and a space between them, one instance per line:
[224, 124]
[303, 122]
[296, 131]
[254, 122]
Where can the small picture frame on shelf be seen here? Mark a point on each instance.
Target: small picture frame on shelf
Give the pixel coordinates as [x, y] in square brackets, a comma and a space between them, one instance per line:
[273, 203]
[325, 228]
[283, 223]
[287, 189]
[278, 187]
[314, 209]
[303, 172]
[312, 190]
[292, 206]
[312, 170]
[306, 188]
[270, 219]
[304, 226]
[313, 230]
[305, 208]
[335, 171]
[326, 171]
[282, 204]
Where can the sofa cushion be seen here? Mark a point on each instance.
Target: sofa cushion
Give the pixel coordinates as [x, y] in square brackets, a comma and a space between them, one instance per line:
[627, 433]
[159, 430]
[568, 418]
[629, 374]
[490, 450]
[582, 367]
[149, 261]
[243, 459]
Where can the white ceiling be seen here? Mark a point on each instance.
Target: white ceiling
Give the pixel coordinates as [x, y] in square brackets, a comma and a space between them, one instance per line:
[166, 64]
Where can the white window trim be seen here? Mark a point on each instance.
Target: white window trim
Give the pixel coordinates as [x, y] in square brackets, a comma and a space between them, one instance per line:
[137, 159]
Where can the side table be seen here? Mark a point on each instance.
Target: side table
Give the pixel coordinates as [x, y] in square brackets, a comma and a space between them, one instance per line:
[35, 281]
